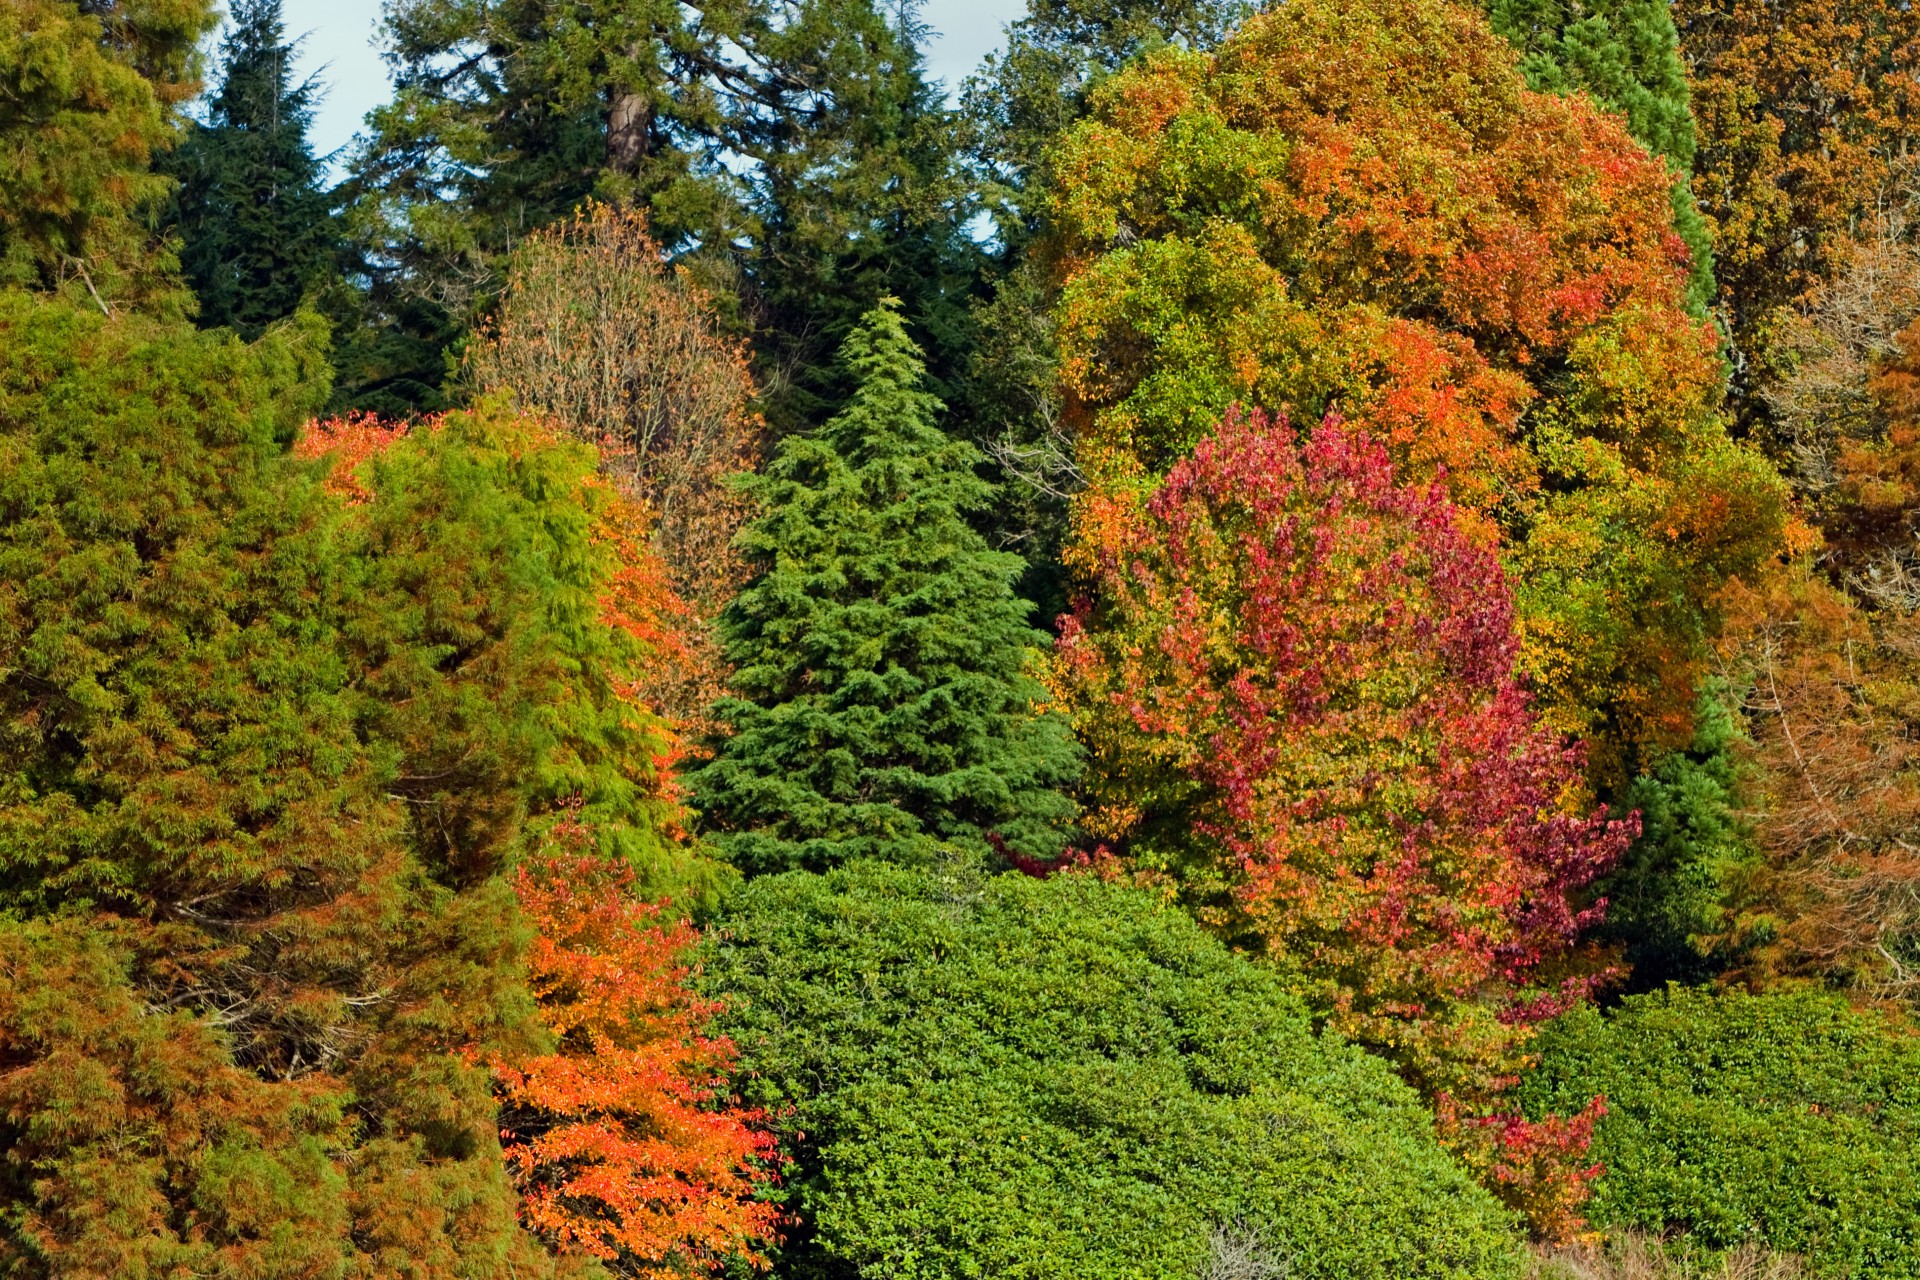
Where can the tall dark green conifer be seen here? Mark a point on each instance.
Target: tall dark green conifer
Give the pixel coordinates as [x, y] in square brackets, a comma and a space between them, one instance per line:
[886, 701]
[859, 195]
[1625, 54]
[255, 229]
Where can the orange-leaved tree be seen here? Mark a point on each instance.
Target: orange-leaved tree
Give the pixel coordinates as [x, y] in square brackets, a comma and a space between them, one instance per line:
[1357, 205]
[1296, 682]
[1803, 110]
[622, 1140]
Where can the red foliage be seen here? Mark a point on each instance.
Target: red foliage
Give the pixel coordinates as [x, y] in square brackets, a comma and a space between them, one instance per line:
[349, 441]
[1297, 683]
[622, 1143]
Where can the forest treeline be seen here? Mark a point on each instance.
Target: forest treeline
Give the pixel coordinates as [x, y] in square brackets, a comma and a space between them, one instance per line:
[1263, 642]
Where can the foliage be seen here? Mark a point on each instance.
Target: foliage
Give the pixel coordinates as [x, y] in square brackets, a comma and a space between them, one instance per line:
[792, 150]
[595, 330]
[615, 1138]
[1025, 96]
[1800, 107]
[1844, 412]
[1625, 54]
[1834, 695]
[1023, 1078]
[92, 91]
[1633, 1255]
[266, 755]
[1358, 206]
[1787, 1119]
[1672, 899]
[1296, 687]
[250, 211]
[887, 699]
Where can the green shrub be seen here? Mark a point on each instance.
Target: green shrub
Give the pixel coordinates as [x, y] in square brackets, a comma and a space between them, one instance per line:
[1788, 1119]
[1011, 1077]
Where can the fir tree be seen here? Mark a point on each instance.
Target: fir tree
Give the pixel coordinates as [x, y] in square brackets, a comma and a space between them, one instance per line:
[883, 663]
[255, 228]
[1625, 54]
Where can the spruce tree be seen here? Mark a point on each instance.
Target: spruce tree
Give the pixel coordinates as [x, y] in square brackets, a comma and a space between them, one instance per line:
[885, 697]
[1625, 55]
[253, 220]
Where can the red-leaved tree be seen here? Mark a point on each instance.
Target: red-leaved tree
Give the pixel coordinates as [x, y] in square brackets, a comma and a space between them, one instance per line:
[1296, 682]
[622, 1140]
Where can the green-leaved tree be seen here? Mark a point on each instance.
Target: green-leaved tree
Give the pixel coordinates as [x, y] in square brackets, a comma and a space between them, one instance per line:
[886, 702]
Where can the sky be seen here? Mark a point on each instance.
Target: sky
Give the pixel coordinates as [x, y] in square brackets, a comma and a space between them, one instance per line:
[342, 35]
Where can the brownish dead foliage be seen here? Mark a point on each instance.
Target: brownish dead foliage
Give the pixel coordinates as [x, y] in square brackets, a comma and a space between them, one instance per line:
[598, 331]
[1834, 715]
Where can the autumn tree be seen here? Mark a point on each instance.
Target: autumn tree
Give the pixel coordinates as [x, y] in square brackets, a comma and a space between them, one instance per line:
[885, 693]
[93, 91]
[1296, 684]
[268, 755]
[598, 331]
[1625, 54]
[620, 1138]
[1361, 207]
[1802, 109]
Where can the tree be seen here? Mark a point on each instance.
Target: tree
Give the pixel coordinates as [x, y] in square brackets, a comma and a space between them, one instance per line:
[1833, 691]
[790, 150]
[620, 1140]
[1360, 207]
[1026, 1077]
[93, 92]
[1625, 54]
[1028, 95]
[1802, 109]
[255, 228]
[595, 329]
[859, 196]
[268, 754]
[1296, 688]
[885, 675]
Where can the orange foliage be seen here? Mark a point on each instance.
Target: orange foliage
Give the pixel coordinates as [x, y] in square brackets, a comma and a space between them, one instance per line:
[349, 442]
[1357, 206]
[622, 1142]
[1834, 715]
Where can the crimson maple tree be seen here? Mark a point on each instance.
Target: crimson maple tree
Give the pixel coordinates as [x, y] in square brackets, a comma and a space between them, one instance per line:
[1296, 682]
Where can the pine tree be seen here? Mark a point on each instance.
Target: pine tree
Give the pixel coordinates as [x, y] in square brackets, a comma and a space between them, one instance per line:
[886, 701]
[860, 196]
[255, 228]
[1625, 54]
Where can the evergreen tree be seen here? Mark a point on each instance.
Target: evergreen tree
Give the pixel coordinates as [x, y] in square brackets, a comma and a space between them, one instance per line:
[1625, 54]
[254, 224]
[886, 701]
[860, 195]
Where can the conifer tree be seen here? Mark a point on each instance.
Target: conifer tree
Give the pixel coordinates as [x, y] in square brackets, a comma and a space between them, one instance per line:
[885, 696]
[253, 220]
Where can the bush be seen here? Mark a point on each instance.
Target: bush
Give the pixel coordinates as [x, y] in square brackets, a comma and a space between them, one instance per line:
[1789, 1119]
[1013, 1077]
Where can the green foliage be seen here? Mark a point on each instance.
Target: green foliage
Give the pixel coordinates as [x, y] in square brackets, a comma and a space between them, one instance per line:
[1789, 1119]
[89, 91]
[885, 671]
[1668, 900]
[1625, 54]
[255, 228]
[1033, 1078]
[267, 754]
